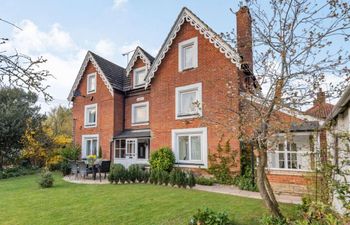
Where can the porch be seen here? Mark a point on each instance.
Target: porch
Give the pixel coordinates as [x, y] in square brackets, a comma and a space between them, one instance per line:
[132, 147]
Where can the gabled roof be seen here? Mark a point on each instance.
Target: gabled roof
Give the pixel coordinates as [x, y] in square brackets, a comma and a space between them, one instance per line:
[341, 105]
[113, 76]
[321, 111]
[188, 16]
[144, 56]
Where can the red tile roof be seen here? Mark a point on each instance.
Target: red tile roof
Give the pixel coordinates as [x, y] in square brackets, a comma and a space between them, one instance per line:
[320, 110]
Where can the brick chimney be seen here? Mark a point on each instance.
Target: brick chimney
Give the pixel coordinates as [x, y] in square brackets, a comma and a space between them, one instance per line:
[321, 98]
[244, 36]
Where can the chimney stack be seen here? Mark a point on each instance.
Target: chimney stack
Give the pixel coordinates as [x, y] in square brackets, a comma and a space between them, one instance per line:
[321, 98]
[244, 36]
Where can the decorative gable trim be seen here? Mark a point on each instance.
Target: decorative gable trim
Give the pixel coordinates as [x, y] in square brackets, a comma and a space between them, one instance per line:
[204, 29]
[138, 53]
[89, 58]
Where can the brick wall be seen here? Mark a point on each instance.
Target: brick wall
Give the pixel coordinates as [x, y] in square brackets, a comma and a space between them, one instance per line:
[214, 71]
[105, 112]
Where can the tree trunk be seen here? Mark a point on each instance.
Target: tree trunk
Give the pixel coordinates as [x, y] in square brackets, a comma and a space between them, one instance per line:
[264, 186]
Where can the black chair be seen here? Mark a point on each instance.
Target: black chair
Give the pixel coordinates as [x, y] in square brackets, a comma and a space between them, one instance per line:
[104, 168]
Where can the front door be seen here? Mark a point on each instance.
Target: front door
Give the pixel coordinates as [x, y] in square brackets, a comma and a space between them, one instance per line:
[131, 151]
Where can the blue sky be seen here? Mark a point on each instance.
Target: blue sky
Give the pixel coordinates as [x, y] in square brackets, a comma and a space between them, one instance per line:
[62, 31]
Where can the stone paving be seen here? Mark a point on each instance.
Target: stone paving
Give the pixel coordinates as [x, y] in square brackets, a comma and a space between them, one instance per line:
[217, 188]
[233, 190]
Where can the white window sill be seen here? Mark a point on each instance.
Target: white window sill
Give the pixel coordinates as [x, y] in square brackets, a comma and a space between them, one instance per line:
[190, 164]
[90, 125]
[287, 171]
[188, 69]
[188, 116]
[91, 92]
[140, 124]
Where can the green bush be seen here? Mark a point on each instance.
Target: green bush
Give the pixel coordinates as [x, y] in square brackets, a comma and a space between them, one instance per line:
[17, 171]
[46, 179]
[221, 163]
[245, 183]
[209, 217]
[205, 181]
[191, 181]
[70, 153]
[153, 177]
[162, 159]
[117, 174]
[180, 178]
[172, 177]
[272, 220]
[135, 173]
[145, 176]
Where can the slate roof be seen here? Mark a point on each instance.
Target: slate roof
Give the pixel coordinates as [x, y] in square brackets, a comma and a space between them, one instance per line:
[134, 134]
[149, 56]
[321, 111]
[304, 126]
[115, 74]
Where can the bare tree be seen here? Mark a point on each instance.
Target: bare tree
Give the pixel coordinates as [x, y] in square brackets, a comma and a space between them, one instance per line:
[19, 70]
[299, 45]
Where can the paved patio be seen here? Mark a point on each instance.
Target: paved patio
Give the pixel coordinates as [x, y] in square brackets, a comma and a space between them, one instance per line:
[233, 190]
[217, 188]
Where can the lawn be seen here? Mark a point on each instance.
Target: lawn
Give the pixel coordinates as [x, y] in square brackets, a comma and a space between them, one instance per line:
[22, 202]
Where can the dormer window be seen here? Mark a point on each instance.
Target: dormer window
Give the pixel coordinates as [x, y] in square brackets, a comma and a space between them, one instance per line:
[139, 77]
[91, 83]
[188, 54]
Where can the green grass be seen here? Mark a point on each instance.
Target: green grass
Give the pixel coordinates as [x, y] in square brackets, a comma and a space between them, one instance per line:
[23, 202]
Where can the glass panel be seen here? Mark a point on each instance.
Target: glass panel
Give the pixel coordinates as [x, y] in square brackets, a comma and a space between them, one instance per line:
[92, 115]
[188, 57]
[139, 77]
[292, 160]
[94, 147]
[92, 83]
[140, 114]
[119, 149]
[196, 148]
[130, 148]
[142, 149]
[88, 147]
[281, 160]
[183, 148]
[187, 100]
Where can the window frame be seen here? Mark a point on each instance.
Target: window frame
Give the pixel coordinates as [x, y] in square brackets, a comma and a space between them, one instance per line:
[133, 119]
[88, 83]
[287, 155]
[87, 124]
[134, 77]
[188, 88]
[84, 139]
[182, 45]
[202, 132]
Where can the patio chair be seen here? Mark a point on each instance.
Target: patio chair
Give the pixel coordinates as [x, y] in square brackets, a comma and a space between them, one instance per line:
[104, 168]
[83, 170]
[74, 168]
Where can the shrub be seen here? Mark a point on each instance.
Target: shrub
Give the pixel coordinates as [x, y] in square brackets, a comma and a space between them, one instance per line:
[16, 171]
[162, 159]
[70, 153]
[145, 176]
[209, 217]
[153, 177]
[221, 162]
[117, 174]
[46, 179]
[320, 214]
[272, 220]
[191, 181]
[245, 182]
[165, 177]
[135, 173]
[205, 181]
[172, 177]
[180, 178]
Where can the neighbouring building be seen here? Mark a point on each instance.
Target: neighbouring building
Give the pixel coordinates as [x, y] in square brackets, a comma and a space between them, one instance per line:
[126, 113]
[338, 124]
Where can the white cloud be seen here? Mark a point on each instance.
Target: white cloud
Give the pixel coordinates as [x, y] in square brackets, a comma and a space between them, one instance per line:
[129, 46]
[118, 4]
[106, 48]
[63, 55]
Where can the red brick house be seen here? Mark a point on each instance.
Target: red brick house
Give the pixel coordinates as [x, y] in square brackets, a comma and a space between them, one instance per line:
[166, 100]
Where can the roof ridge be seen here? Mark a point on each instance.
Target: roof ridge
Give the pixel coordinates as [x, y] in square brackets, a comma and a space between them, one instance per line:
[94, 55]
